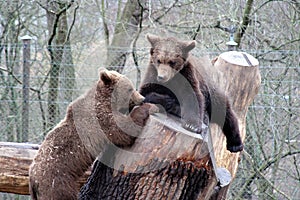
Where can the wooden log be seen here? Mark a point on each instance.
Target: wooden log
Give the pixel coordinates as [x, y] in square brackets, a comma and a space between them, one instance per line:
[241, 81]
[165, 162]
[15, 159]
[240, 78]
[171, 163]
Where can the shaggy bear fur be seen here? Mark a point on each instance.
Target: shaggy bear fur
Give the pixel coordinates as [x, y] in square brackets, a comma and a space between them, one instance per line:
[92, 121]
[182, 84]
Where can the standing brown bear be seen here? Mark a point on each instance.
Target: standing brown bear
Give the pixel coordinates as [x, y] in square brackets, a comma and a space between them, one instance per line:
[183, 85]
[91, 122]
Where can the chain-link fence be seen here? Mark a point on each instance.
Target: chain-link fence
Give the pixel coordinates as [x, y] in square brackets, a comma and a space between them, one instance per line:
[270, 165]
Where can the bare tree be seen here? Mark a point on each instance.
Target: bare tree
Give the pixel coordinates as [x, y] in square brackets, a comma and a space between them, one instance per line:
[11, 27]
[125, 31]
[57, 43]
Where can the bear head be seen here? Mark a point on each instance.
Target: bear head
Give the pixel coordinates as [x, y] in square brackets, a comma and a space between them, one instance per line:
[120, 90]
[168, 55]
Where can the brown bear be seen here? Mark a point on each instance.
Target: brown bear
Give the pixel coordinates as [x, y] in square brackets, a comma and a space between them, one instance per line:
[92, 121]
[182, 84]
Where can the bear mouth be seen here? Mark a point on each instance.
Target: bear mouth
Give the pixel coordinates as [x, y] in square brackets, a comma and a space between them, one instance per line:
[127, 109]
[124, 110]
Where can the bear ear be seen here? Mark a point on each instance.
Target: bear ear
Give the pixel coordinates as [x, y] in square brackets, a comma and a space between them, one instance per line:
[105, 77]
[188, 46]
[153, 39]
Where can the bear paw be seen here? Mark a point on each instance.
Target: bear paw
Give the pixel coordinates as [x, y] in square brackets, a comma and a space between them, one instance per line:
[235, 148]
[140, 114]
[164, 100]
[192, 127]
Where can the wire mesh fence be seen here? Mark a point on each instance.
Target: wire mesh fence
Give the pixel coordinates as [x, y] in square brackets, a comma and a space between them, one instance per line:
[272, 155]
[270, 163]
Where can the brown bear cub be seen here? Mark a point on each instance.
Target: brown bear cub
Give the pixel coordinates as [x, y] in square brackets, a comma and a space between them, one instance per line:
[91, 122]
[181, 84]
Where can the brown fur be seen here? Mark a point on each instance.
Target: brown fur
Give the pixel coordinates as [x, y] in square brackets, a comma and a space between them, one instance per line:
[91, 122]
[183, 85]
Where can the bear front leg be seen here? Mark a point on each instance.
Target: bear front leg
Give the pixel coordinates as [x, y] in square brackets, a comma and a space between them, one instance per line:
[128, 127]
[192, 113]
[165, 103]
[231, 131]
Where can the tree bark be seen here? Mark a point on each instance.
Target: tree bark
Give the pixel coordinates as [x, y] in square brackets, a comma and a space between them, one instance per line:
[124, 33]
[15, 159]
[58, 29]
[172, 163]
[240, 78]
[159, 166]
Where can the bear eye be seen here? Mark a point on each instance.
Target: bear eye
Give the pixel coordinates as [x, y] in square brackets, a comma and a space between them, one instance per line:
[172, 63]
[158, 61]
[130, 90]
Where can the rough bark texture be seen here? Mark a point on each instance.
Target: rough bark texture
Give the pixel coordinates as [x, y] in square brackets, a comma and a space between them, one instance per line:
[167, 162]
[15, 159]
[240, 78]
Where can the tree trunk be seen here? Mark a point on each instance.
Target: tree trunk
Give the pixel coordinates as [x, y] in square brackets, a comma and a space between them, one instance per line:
[158, 166]
[168, 162]
[125, 31]
[58, 29]
[241, 80]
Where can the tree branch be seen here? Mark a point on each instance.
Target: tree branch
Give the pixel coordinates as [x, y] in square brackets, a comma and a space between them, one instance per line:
[263, 167]
[105, 26]
[72, 24]
[135, 58]
[245, 22]
[16, 79]
[55, 24]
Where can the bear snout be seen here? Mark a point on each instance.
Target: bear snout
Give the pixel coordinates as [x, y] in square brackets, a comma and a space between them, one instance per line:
[161, 78]
[137, 98]
[164, 73]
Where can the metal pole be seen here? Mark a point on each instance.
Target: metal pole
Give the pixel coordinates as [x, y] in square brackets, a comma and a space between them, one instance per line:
[25, 88]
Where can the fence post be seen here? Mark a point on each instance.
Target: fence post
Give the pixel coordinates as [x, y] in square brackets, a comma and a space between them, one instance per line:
[25, 88]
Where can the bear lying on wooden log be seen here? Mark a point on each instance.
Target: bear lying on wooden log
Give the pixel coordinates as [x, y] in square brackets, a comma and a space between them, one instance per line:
[182, 84]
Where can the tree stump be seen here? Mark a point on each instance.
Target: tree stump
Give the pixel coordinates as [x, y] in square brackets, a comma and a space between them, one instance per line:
[169, 162]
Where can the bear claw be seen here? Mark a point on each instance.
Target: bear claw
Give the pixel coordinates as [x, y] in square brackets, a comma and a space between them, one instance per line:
[235, 149]
[192, 127]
